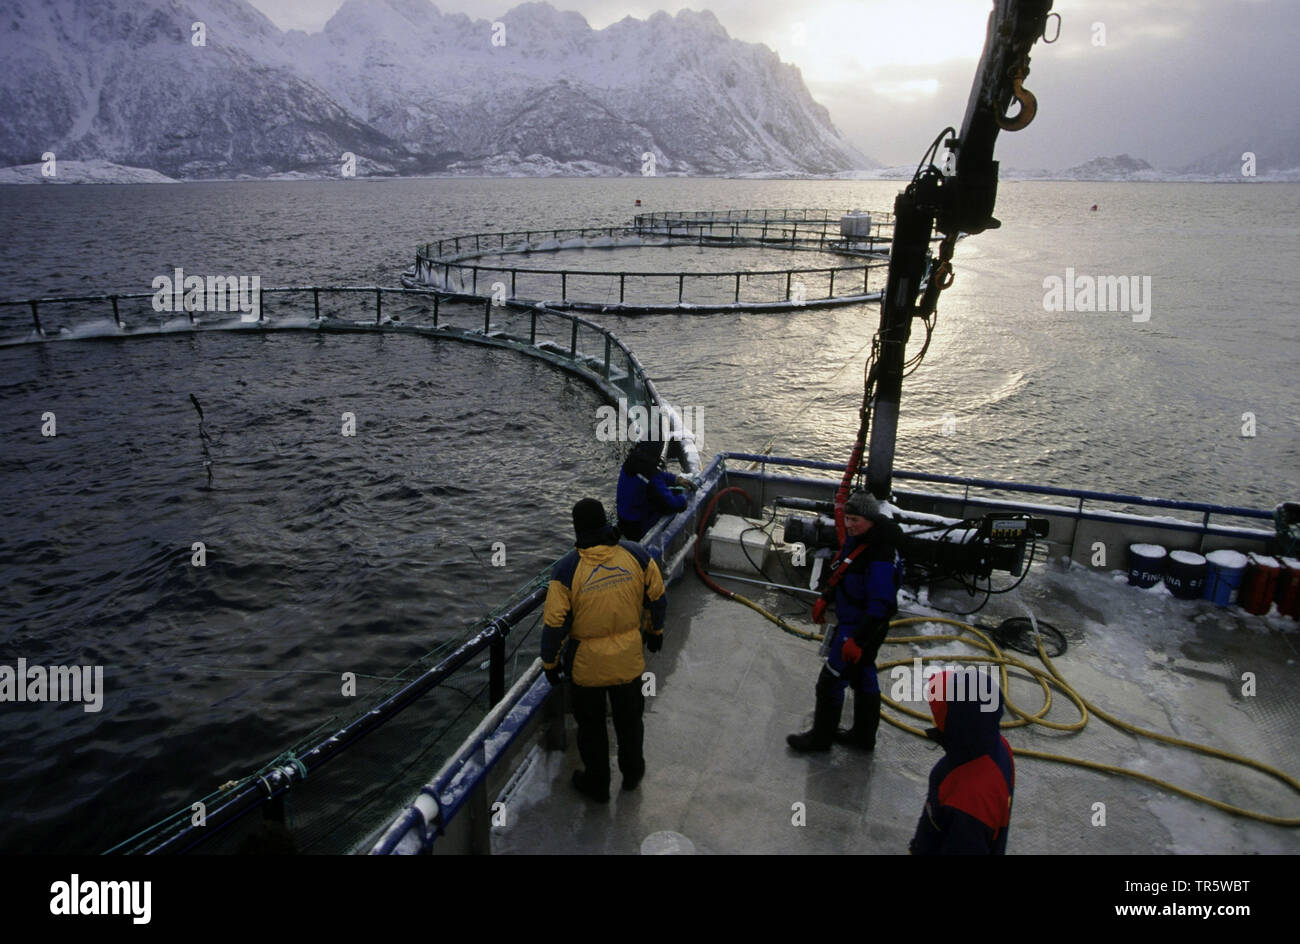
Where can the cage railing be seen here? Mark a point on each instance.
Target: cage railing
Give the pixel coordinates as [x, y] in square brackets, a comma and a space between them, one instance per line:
[757, 215]
[648, 290]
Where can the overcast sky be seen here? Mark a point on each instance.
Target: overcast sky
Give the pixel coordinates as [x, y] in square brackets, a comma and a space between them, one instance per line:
[1163, 80]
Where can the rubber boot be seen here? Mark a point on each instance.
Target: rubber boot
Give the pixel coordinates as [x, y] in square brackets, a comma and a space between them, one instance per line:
[866, 718]
[589, 789]
[826, 718]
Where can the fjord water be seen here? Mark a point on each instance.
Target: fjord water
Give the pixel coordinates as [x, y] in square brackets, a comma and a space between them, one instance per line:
[329, 554]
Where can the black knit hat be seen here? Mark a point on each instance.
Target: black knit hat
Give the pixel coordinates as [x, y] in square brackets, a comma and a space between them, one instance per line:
[864, 505]
[588, 516]
[651, 448]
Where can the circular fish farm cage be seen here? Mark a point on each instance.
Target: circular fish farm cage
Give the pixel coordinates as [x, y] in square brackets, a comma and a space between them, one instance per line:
[476, 265]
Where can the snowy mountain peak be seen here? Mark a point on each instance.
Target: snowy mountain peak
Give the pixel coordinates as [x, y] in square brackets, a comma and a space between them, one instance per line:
[404, 87]
[543, 16]
[702, 21]
[382, 18]
[1121, 167]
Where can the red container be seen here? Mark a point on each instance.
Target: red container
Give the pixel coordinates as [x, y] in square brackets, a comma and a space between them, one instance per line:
[1288, 588]
[1259, 585]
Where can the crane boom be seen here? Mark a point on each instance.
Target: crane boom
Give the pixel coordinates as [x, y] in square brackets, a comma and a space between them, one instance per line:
[962, 202]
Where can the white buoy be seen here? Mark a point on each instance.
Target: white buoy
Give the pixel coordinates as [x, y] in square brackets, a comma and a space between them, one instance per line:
[667, 842]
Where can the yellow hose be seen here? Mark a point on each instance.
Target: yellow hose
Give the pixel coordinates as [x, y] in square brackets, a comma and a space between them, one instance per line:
[794, 630]
[1052, 677]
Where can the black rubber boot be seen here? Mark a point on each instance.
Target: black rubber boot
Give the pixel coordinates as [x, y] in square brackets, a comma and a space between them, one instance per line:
[592, 791]
[866, 718]
[826, 719]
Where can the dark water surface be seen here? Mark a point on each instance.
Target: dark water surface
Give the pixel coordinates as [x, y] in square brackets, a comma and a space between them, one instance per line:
[328, 553]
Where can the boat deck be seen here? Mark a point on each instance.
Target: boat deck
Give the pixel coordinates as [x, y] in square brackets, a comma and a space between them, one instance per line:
[731, 685]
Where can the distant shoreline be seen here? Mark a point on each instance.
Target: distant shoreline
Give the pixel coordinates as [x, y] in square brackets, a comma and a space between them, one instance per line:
[104, 172]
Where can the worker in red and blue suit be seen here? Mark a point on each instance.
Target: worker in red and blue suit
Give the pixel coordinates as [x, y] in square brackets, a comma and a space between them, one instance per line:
[646, 491]
[605, 599]
[968, 807]
[863, 584]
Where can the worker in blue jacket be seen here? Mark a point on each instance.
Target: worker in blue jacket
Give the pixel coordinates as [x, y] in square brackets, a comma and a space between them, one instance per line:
[863, 584]
[646, 491]
[968, 807]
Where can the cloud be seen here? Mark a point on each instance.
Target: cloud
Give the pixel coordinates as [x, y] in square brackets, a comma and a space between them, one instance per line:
[1173, 80]
[906, 90]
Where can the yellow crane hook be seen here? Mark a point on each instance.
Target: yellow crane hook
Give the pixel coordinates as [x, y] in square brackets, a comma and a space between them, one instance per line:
[1028, 105]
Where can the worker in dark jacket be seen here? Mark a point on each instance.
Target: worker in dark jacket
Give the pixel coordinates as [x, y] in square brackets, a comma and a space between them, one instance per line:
[645, 490]
[968, 807]
[863, 584]
[593, 635]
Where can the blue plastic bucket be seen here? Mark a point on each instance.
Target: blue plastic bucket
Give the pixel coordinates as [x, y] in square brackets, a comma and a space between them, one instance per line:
[1146, 564]
[1223, 578]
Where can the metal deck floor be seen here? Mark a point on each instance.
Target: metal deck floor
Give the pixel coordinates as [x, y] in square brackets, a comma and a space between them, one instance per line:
[731, 685]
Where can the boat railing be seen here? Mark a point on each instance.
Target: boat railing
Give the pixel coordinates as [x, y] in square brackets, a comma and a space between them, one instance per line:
[479, 768]
[461, 785]
[1085, 516]
[270, 788]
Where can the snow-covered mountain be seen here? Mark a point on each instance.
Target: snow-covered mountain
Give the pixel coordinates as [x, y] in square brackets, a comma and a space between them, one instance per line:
[405, 88]
[81, 172]
[1121, 167]
[1274, 153]
[121, 80]
[1225, 165]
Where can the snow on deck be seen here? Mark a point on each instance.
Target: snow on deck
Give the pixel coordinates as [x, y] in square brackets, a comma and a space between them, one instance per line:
[731, 686]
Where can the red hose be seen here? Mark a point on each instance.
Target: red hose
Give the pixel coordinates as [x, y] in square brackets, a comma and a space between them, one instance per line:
[842, 494]
[855, 459]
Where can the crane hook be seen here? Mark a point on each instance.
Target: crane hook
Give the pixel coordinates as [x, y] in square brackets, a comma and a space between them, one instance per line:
[1028, 105]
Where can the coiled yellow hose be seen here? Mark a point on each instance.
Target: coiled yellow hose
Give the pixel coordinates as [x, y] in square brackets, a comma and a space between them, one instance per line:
[1048, 679]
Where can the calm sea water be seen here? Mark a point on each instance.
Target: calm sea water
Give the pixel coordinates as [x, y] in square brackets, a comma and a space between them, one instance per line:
[329, 553]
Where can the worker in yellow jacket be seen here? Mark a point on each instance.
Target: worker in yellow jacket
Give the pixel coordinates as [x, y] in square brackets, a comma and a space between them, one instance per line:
[595, 606]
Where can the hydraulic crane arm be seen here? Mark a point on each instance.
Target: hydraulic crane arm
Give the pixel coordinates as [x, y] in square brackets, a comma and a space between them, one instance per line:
[962, 202]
